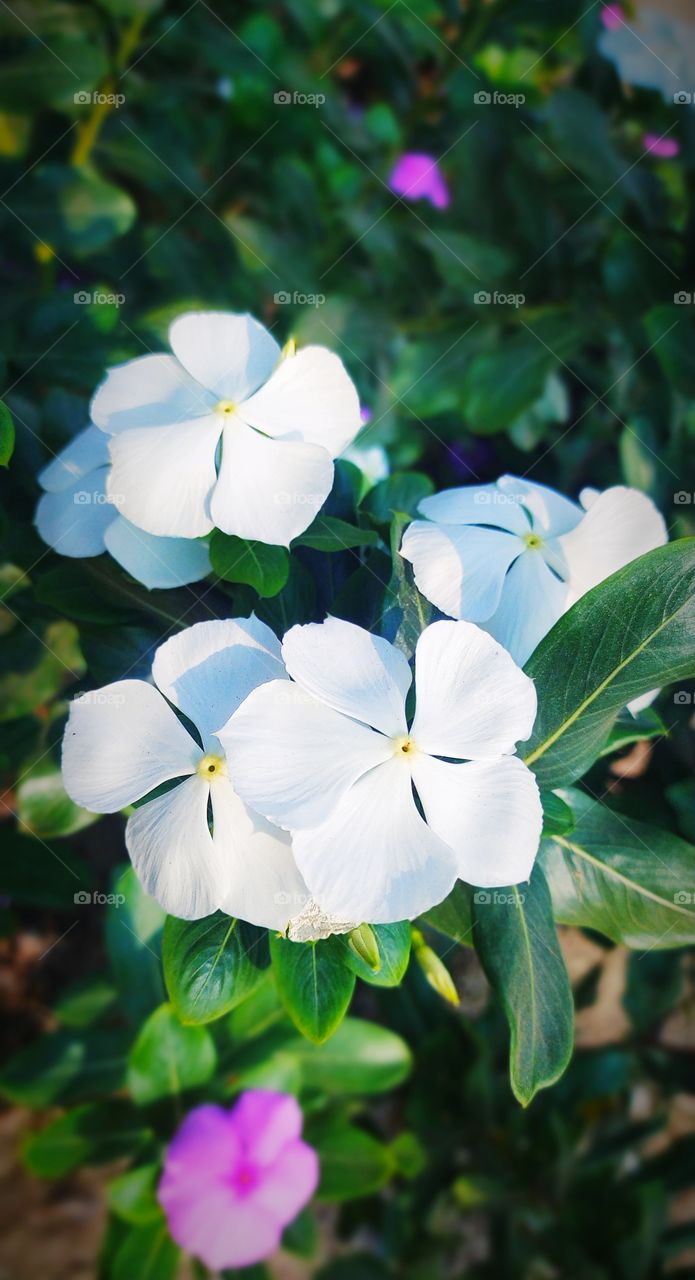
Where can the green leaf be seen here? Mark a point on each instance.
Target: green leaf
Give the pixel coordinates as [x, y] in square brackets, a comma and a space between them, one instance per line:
[516, 941]
[454, 917]
[632, 633]
[51, 74]
[353, 1163]
[132, 1195]
[405, 612]
[393, 941]
[558, 818]
[629, 729]
[314, 983]
[94, 213]
[96, 1133]
[44, 809]
[133, 938]
[7, 435]
[147, 1252]
[85, 1002]
[260, 566]
[623, 878]
[399, 494]
[168, 1058]
[211, 965]
[361, 1057]
[671, 336]
[66, 1066]
[328, 533]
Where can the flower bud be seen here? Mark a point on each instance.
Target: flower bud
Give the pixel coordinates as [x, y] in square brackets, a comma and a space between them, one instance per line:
[364, 944]
[434, 969]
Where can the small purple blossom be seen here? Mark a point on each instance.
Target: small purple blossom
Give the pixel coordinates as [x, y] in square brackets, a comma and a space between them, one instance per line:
[233, 1179]
[418, 177]
[665, 148]
[612, 16]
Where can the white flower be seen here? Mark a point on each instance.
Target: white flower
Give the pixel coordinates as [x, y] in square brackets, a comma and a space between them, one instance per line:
[514, 556]
[123, 741]
[331, 758]
[78, 518]
[226, 432]
[654, 49]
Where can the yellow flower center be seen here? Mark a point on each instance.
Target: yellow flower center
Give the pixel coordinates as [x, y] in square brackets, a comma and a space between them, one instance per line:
[211, 767]
[533, 541]
[225, 408]
[404, 746]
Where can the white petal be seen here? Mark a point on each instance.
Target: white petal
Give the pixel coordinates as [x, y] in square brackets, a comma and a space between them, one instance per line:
[478, 504]
[151, 391]
[75, 520]
[229, 354]
[121, 742]
[551, 512]
[157, 562]
[532, 601]
[268, 490]
[489, 812]
[208, 669]
[309, 398]
[174, 854]
[460, 568]
[352, 671]
[265, 886]
[88, 450]
[162, 477]
[645, 700]
[374, 859]
[473, 702]
[292, 758]
[620, 525]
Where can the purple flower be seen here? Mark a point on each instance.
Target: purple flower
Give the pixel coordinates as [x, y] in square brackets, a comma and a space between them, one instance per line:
[233, 1179]
[665, 148]
[612, 17]
[418, 177]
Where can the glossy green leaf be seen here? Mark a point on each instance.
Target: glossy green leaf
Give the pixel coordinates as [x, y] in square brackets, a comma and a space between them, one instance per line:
[168, 1058]
[517, 943]
[558, 818]
[632, 633]
[256, 564]
[352, 1162]
[623, 878]
[133, 938]
[314, 983]
[393, 942]
[454, 917]
[95, 1133]
[327, 533]
[147, 1252]
[211, 965]
[398, 494]
[132, 1195]
[44, 809]
[361, 1057]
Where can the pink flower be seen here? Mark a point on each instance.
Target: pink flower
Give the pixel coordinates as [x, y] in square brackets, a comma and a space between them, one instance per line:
[418, 177]
[612, 16]
[233, 1179]
[666, 148]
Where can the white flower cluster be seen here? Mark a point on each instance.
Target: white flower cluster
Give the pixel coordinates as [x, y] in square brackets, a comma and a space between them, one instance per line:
[228, 431]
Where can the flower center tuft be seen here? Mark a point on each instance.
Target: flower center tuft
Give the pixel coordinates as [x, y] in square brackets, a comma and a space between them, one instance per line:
[212, 767]
[225, 408]
[404, 746]
[533, 541]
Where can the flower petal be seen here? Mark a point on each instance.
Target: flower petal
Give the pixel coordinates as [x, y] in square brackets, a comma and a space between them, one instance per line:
[162, 477]
[203, 1148]
[121, 742]
[156, 562]
[620, 525]
[551, 512]
[460, 568]
[289, 1183]
[265, 1122]
[473, 702]
[352, 671]
[532, 601]
[309, 398]
[485, 504]
[75, 520]
[225, 1231]
[229, 354]
[292, 758]
[374, 858]
[85, 452]
[488, 812]
[265, 886]
[174, 854]
[268, 490]
[208, 669]
[151, 391]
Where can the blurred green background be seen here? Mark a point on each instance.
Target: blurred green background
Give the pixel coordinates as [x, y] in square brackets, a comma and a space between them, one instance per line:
[150, 162]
